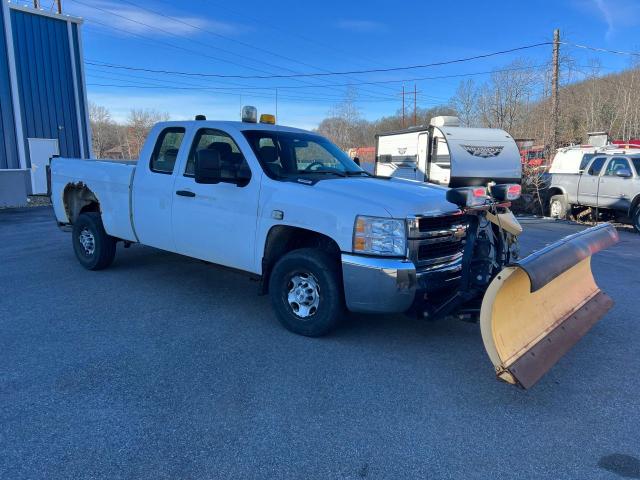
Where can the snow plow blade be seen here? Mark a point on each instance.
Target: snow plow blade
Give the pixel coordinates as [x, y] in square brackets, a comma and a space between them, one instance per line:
[535, 310]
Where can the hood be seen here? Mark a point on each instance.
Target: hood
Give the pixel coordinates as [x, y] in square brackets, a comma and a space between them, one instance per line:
[399, 198]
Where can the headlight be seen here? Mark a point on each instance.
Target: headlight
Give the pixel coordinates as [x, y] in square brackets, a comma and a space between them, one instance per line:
[379, 236]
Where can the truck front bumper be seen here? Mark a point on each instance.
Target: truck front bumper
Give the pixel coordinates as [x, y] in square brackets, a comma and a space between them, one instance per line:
[388, 285]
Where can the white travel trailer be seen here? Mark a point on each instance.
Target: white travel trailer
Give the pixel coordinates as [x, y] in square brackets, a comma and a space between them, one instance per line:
[447, 154]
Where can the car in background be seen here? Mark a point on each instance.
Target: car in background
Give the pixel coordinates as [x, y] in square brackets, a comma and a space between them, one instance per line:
[608, 184]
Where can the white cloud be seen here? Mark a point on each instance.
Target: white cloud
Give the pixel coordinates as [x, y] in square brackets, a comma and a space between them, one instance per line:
[139, 19]
[617, 14]
[361, 26]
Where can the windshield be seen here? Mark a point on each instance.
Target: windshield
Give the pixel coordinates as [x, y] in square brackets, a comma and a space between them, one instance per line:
[287, 154]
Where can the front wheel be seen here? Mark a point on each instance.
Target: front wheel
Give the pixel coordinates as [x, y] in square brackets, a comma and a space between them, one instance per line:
[558, 207]
[93, 247]
[635, 219]
[306, 292]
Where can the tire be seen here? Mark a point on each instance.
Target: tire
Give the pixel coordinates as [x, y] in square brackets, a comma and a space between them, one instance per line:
[635, 219]
[558, 207]
[306, 292]
[94, 249]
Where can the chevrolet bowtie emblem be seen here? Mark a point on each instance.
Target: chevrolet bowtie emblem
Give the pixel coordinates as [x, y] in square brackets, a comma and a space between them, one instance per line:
[483, 151]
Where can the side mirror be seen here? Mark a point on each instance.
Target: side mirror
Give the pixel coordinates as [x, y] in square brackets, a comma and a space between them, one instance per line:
[208, 167]
[623, 173]
[356, 160]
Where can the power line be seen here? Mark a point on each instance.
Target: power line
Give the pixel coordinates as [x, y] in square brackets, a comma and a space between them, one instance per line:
[288, 97]
[239, 42]
[353, 72]
[138, 22]
[291, 33]
[413, 79]
[602, 50]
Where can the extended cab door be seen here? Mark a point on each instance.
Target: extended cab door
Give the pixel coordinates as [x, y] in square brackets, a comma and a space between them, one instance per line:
[613, 192]
[153, 188]
[588, 183]
[216, 222]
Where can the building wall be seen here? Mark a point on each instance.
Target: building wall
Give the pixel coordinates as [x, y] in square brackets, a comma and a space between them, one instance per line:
[46, 81]
[8, 146]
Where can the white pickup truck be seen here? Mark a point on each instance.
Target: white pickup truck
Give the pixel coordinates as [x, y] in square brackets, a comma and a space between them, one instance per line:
[281, 203]
[324, 236]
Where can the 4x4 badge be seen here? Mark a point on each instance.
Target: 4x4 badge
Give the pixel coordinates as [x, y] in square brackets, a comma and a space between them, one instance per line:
[483, 151]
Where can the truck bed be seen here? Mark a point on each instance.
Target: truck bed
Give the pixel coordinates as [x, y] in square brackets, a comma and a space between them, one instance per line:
[109, 180]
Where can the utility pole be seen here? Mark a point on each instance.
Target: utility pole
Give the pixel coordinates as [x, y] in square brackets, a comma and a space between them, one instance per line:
[555, 100]
[36, 4]
[402, 106]
[415, 104]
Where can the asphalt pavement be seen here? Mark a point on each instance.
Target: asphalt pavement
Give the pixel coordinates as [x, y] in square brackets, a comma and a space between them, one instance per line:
[164, 367]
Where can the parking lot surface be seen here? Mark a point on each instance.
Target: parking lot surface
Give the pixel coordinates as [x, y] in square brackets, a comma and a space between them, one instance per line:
[166, 367]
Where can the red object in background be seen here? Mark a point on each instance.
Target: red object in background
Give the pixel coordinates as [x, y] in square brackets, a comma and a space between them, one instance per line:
[365, 154]
[632, 143]
[533, 156]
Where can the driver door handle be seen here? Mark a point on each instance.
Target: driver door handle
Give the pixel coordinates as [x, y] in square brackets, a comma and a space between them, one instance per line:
[185, 193]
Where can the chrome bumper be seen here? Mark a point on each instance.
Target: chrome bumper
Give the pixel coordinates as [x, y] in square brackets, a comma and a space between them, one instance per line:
[387, 285]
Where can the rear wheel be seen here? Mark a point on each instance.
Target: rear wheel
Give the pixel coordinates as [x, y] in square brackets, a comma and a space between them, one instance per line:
[94, 249]
[558, 207]
[306, 292]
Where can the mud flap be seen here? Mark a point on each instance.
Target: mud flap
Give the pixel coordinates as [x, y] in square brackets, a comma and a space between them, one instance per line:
[535, 310]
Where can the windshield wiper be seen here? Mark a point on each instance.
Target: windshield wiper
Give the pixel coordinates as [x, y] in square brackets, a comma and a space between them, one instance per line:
[358, 172]
[326, 172]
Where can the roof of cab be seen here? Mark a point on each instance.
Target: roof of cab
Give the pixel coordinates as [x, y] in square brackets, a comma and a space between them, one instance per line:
[222, 125]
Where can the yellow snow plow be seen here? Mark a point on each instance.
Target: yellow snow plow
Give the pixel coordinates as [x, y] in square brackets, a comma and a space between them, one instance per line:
[537, 308]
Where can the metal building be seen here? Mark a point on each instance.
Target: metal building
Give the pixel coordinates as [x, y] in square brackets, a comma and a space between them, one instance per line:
[43, 102]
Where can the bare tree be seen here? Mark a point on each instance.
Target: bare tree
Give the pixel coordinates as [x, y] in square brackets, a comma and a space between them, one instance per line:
[138, 125]
[504, 102]
[104, 131]
[465, 102]
[344, 126]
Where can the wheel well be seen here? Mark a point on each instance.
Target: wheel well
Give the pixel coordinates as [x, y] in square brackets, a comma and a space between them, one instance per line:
[78, 198]
[283, 239]
[555, 191]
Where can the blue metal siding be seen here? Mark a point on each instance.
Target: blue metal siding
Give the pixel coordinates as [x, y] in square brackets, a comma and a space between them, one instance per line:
[8, 145]
[45, 79]
[83, 113]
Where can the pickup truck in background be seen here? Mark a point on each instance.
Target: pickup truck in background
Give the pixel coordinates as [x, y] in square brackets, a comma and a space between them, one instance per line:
[608, 183]
[323, 236]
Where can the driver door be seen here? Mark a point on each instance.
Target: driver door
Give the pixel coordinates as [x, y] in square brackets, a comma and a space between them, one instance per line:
[216, 222]
[611, 193]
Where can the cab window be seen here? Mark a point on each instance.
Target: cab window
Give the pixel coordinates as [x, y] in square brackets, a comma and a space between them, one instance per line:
[615, 165]
[165, 152]
[232, 160]
[596, 166]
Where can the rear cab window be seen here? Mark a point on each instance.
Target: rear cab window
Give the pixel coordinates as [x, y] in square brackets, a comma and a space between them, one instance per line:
[234, 165]
[165, 152]
[596, 166]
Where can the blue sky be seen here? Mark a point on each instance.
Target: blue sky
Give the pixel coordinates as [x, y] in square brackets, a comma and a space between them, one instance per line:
[285, 36]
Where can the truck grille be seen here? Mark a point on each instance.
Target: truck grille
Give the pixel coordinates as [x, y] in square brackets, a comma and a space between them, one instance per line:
[437, 240]
[438, 250]
[426, 224]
